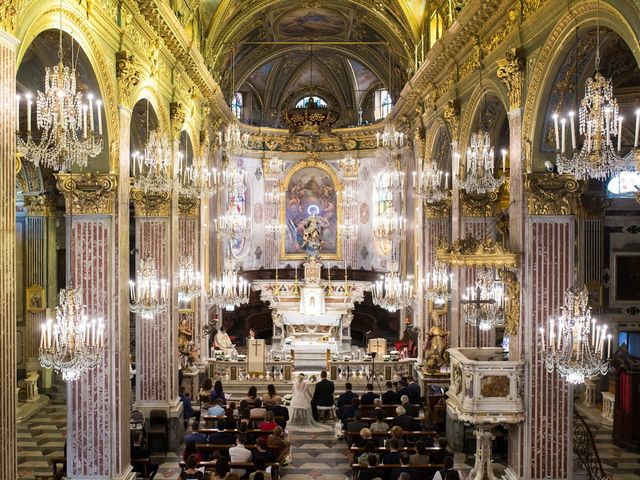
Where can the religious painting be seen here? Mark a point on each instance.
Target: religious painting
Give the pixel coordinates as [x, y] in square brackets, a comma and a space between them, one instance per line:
[236, 205]
[626, 267]
[36, 300]
[312, 191]
[305, 22]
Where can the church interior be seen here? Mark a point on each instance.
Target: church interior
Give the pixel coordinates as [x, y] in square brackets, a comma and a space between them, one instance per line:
[340, 239]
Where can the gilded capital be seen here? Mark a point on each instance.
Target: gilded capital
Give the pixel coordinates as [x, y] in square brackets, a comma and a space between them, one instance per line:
[88, 193]
[511, 72]
[552, 194]
[451, 115]
[128, 76]
[151, 204]
[40, 205]
[480, 205]
[8, 16]
[189, 207]
[437, 211]
[177, 116]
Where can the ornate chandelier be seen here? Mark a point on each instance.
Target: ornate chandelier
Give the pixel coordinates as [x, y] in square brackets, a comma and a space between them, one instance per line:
[232, 225]
[149, 294]
[196, 179]
[230, 291]
[153, 166]
[436, 284]
[432, 184]
[391, 293]
[66, 125]
[389, 139]
[479, 177]
[71, 343]
[389, 227]
[232, 140]
[574, 345]
[483, 305]
[189, 280]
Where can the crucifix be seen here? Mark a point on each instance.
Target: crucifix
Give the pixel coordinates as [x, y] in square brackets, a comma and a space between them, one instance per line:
[478, 302]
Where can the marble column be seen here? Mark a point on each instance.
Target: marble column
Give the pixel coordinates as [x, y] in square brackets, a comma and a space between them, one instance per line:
[188, 246]
[8, 46]
[436, 228]
[546, 448]
[40, 267]
[95, 430]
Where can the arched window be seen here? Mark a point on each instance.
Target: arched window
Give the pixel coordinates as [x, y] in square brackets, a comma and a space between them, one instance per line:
[436, 26]
[624, 185]
[383, 103]
[237, 104]
[304, 102]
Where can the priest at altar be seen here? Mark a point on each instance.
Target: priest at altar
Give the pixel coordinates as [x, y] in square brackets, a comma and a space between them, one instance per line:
[221, 341]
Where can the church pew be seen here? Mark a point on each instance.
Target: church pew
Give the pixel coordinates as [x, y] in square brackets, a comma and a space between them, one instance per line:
[249, 466]
[389, 410]
[410, 436]
[208, 431]
[380, 451]
[213, 421]
[423, 471]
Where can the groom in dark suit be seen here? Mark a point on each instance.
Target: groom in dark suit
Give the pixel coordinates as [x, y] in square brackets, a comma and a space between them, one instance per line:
[323, 396]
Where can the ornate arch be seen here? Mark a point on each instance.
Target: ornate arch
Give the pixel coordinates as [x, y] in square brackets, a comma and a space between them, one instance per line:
[146, 92]
[487, 86]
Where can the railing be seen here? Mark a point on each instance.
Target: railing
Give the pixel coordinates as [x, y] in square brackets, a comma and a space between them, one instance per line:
[584, 446]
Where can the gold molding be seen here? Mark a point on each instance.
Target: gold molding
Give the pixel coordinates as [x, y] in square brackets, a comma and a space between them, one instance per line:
[188, 207]
[451, 115]
[512, 292]
[40, 205]
[472, 252]
[151, 204]
[511, 72]
[480, 205]
[8, 16]
[438, 211]
[177, 116]
[88, 193]
[552, 194]
[311, 163]
[128, 76]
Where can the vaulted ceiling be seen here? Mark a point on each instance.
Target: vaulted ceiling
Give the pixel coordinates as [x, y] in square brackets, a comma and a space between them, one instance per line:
[278, 50]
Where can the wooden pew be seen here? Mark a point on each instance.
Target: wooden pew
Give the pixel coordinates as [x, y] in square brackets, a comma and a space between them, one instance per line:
[410, 436]
[213, 421]
[389, 410]
[423, 471]
[249, 466]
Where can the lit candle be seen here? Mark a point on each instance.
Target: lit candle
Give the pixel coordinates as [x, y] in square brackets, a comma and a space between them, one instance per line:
[635, 140]
[446, 180]
[28, 96]
[557, 130]
[131, 284]
[619, 132]
[504, 161]
[91, 115]
[43, 332]
[609, 346]
[593, 331]
[49, 324]
[572, 119]
[563, 122]
[84, 121]
[99, 104]
[552, 334]
[18, 115]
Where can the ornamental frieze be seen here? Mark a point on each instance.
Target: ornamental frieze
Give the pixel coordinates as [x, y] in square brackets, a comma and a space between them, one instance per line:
[88, 193]
[151, 204]
[552, 194]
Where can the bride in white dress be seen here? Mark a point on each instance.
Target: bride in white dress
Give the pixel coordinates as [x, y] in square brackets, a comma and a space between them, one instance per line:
[300, 406]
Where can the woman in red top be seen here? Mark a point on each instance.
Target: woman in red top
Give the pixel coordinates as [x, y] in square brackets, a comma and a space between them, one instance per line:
[269, 423]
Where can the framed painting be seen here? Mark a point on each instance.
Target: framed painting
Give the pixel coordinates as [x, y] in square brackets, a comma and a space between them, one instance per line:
[186, 307]
[311, 188]
[36, 300]
[626, 278]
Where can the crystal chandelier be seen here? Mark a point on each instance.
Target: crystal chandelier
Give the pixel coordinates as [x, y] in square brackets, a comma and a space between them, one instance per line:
[153, 166]
[432, 184]
[149, 294]
[389, 139]
[230, 291]
[479, 177]
[598, 122]
[232, 225]
[483, 305]
[196, 179]
[232, 140]
[189, 280]
[391, 293]
[71, 343]
[574, 345]
[390, 179]
[349, 165]
[65, 123]
[389, 227]
[436, 284]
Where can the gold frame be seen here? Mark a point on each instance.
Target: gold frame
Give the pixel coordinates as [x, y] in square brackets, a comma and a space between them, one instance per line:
[440, 311]
[189, 309]
[29, 294]
[312, 163]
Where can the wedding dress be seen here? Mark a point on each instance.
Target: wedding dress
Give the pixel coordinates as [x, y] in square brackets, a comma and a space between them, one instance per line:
[300, 407]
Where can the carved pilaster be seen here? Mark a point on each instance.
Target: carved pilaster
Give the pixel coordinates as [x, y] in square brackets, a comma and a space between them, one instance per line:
[40, 205]
[480, 205]
[451, 115]
[552, 194]
[511, 72]
[128, 76]
[189, 207]
[151, 204]
[512, 308]
[88, 193]
[440, 210]
[8, 16]
[177, 115]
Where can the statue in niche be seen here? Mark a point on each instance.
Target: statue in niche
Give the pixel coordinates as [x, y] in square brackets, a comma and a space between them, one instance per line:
[436, 344]
[312, 234]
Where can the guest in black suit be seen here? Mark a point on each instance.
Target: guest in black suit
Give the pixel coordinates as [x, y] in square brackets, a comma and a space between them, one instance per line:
[279, 410]
[372, 470]
[404, 467]
[411, 410]
[368, 397]
[323, 396]
[393, 456]
[438, 457]
[413, 392]
[390, 397]
[403, 389]
[221, 437]
[349, 411]
[403, 420]
[140, 453]
[346, 397]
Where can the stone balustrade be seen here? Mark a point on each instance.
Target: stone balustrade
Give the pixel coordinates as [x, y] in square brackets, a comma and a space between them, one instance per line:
[608, 405]
[31, 385]
[589, 393]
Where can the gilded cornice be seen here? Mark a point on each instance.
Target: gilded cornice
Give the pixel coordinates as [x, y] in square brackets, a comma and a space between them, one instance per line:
[479, 205]
[552, 194]
[511, 72]
[8, 16]
[189, 207]
[128, 76]
[40, 205]
[474, 252]
[151, 204]
[438, 211]
[88, 193]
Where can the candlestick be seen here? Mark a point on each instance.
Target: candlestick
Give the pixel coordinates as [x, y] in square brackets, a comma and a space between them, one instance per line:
[557, 130]
[619, 132]
[609, 346]
[99, 104]
[84, 121]
[572, 120]
[563, 122]
[504, 161]
[91, 112]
